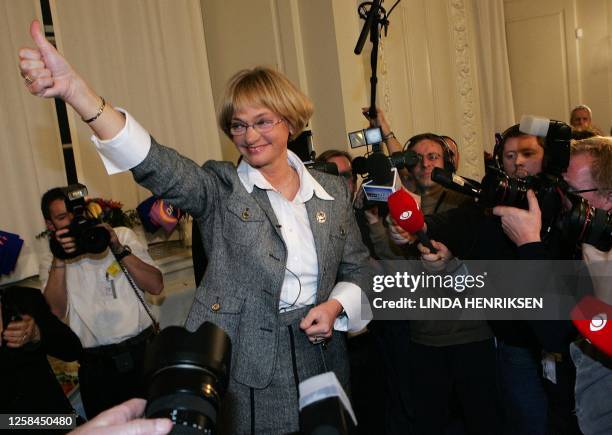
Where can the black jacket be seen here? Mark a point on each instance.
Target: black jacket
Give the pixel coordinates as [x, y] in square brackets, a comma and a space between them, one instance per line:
[473, 233]
[28, 383]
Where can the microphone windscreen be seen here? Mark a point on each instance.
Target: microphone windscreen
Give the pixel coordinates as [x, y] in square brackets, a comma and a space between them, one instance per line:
[592, 317]
[405, 211]
[379, 168]
[534, 125]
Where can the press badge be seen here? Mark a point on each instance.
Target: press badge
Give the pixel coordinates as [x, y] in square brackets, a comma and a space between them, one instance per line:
[111, 272]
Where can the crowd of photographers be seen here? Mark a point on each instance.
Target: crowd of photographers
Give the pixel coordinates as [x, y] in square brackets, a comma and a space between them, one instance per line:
[455, 368]
[438, 377]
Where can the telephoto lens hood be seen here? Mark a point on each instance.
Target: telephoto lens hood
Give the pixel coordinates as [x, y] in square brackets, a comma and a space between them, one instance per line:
[187, 375]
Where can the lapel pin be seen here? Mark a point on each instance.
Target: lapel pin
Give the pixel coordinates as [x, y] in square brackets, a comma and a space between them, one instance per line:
[321, 217]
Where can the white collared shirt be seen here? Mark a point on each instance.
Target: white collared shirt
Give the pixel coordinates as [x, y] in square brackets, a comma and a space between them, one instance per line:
[302, 270]
[130, 147]
[102, 308]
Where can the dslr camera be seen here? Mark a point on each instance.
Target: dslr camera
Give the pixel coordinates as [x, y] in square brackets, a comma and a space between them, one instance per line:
[579, 223]
[89, 237]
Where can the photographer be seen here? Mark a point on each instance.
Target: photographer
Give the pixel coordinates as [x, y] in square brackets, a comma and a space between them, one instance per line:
[590, 175]
[28, 333]
[94, 295]
[434, 151]
[511, 233]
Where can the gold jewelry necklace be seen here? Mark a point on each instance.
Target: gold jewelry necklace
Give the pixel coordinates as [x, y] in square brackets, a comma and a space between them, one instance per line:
[287, 183]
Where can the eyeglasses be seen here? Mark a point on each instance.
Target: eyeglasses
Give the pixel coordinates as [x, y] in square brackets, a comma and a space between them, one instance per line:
[432, 157]
[261, 126]
[347, 174]
[594, 189]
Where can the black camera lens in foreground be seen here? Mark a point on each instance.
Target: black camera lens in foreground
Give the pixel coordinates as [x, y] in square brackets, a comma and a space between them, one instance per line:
[587, 224]
[187, 376]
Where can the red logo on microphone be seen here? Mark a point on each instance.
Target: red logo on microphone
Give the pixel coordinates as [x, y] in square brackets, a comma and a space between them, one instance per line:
[591, 318]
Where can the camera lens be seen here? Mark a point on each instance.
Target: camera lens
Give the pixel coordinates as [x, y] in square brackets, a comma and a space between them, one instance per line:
[500, 189]
[94, 239]
[586, 224]
[188, 375]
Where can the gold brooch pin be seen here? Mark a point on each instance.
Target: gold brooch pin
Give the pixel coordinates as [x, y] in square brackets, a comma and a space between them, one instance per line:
[321, 217]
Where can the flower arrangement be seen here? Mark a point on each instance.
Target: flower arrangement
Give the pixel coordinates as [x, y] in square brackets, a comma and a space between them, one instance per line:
[107, 211]
[111, 212]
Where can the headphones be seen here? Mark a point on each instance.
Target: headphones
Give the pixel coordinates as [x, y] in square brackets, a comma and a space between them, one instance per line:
[556, 153]
[500, 141]
[447, 154]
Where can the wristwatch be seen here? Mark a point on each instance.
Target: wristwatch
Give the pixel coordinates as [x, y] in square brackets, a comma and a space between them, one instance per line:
[123, 253]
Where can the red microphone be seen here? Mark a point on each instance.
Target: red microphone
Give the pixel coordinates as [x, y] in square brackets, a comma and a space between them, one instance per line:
[405, 211]
[593, 318]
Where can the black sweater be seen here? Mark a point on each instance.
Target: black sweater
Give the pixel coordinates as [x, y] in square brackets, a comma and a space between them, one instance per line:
[472, 233]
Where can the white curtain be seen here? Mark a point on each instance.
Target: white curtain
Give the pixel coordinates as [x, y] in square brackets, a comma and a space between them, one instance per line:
[495, 88]
[149, 57]
[30, 148]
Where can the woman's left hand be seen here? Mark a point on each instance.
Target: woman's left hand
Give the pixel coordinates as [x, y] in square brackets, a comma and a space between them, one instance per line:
[20, 332]
[319, 322]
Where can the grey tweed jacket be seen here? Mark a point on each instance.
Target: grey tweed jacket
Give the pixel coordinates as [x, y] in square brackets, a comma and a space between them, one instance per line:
[241, 288]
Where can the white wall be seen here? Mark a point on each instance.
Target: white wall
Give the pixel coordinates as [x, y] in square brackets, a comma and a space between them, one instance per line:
[594, 17]
[428, 80]
[553, 70]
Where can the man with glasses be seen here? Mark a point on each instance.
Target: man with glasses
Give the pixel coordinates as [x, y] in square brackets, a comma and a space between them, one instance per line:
[589, 174]
[433, 153]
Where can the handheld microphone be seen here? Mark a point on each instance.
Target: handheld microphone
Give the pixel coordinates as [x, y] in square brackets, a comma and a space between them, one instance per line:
[456, 182]
[405, 211]
[379, 166]
[592, 317]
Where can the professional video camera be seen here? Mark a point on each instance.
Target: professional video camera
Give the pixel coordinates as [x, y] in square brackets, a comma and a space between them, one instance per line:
[88, 236]
[579, 223]
[188, 374]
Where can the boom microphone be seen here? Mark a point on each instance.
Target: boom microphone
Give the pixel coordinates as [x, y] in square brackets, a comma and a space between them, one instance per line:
[405, 211]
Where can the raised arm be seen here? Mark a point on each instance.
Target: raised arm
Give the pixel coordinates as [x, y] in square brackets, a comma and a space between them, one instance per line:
[122, 143]
[47, 74]
[392, 143]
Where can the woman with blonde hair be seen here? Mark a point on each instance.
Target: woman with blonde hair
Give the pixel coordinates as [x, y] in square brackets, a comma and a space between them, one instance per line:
[286, 265]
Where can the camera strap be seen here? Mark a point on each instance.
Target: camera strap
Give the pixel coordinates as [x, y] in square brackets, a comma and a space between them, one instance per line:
[156, 327]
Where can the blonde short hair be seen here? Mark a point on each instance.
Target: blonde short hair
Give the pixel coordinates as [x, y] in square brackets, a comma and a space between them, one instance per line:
[600, 148]
[262, 86]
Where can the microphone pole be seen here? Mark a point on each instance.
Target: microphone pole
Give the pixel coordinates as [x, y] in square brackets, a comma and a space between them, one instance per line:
[375, 17]
[374, 38]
